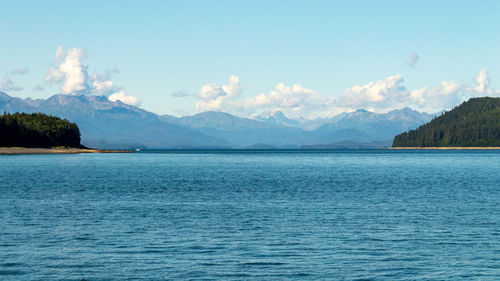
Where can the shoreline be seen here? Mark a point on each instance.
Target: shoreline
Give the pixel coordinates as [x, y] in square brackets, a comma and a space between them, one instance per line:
[447, 148]
[26, 150]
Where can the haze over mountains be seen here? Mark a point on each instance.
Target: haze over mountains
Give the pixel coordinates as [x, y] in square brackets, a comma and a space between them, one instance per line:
[113, 124]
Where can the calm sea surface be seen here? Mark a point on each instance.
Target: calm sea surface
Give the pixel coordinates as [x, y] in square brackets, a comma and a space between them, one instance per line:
[233, 215]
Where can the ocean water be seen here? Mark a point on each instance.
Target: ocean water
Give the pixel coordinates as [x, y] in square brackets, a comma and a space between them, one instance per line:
[251, 215]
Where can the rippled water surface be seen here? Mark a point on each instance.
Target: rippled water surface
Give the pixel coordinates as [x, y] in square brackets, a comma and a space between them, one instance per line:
[338, 215]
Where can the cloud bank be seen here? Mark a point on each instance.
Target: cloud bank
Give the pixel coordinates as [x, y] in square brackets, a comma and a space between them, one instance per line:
[383, 95]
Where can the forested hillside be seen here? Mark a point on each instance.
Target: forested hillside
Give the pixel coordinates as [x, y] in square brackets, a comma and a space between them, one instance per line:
[37, 130]
[473, 123]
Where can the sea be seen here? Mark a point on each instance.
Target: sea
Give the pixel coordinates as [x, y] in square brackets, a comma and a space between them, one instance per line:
[251, 215]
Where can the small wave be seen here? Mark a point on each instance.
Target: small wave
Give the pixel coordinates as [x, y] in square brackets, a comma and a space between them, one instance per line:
[262, 263]
[11, 272]
[11, 264]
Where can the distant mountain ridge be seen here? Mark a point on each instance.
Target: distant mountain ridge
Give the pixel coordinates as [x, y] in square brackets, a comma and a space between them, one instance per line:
[365, 126]
[108, 124]
[277, 130]
[242, 131]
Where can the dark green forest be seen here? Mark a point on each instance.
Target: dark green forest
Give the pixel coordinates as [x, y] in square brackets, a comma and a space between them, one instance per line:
[472, 123]
[37, 130]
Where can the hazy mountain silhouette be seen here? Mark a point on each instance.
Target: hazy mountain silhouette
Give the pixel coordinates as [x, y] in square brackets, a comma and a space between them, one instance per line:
[365, 126]
[242, 132]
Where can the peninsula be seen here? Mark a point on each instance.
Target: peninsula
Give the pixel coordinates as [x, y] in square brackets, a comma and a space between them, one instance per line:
[37, 133]
[474, 124]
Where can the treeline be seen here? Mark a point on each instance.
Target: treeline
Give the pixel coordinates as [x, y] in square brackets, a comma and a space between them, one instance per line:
[37, 130]
[473, 123]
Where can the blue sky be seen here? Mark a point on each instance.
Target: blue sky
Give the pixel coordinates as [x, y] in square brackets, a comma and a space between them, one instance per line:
[156, 48]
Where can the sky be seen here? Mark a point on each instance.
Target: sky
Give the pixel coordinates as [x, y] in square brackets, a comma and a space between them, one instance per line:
[305, 58]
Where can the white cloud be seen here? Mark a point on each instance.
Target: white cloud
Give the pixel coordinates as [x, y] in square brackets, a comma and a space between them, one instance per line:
[70, 71]
[483, 87]
[294, 101]
[102, 84]
[418, 96]
[8, 85]
[102, 87]
[444, 96]
[413, 59]
[382, 95]
[450, 93]
[219, 98]
[72, 74]
[123, 97]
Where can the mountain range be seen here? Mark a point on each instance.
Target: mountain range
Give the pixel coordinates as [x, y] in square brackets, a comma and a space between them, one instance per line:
[113, 124]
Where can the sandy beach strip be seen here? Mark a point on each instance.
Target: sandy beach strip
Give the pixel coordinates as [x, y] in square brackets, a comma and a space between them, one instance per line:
[25, 150]
[448, 148]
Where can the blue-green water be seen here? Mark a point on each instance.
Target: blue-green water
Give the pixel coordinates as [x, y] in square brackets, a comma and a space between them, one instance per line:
[233, 215]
